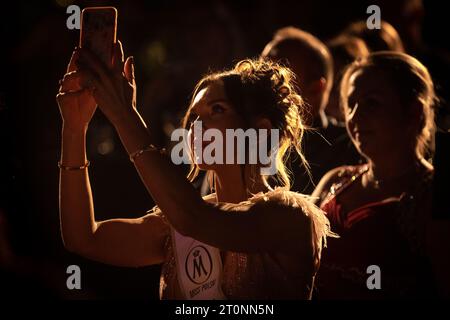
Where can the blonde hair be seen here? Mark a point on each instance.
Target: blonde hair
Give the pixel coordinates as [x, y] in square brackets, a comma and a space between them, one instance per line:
[413, 83]
[385, 38]
[262, 88]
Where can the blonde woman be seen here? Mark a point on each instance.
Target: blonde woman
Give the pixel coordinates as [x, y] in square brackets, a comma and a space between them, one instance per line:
[382, 208]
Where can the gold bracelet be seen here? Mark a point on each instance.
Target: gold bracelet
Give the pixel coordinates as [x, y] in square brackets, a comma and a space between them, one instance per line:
[150, 147]
[63, 167]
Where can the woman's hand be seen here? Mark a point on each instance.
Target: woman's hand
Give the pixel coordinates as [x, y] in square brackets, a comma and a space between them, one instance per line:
[115, 86]
[75, 100]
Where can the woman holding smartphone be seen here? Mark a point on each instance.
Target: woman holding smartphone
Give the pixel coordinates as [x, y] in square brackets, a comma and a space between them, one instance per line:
[246, 240]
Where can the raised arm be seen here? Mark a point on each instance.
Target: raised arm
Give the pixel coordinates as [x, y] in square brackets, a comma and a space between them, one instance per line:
[271, 226]
[122, 242]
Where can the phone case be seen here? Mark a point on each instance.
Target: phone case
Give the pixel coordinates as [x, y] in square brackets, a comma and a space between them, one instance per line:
[98, 31]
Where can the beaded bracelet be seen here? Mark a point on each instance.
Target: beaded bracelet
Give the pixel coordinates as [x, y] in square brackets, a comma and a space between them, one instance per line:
[150, 147]
[63, 167]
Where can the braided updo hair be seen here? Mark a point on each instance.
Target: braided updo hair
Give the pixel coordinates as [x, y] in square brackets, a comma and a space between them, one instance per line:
[263, 88]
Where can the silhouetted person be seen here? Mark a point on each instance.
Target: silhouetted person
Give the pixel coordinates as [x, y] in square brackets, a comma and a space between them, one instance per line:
[327, 145]
[344, 50]
[385, 38]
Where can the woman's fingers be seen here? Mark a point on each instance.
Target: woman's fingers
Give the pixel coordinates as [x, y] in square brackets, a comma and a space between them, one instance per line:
[70, 82]
[87, 60]
[62, 97]
[128, 70]
[72, 66]
[113, 88]
[118, 57]
[77, 80]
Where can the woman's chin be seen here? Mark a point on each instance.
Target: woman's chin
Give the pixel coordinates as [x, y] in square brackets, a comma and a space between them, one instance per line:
[205, 167]
[369, 151]
[364, 147]
[202, 167]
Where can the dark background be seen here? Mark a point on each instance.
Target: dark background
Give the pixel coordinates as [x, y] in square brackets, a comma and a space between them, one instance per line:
[174, 43]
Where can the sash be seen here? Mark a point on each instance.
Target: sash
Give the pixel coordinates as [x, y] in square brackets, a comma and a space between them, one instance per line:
[199, 268]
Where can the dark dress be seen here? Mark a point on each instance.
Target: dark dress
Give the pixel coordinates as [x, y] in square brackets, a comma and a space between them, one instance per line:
[390, 234]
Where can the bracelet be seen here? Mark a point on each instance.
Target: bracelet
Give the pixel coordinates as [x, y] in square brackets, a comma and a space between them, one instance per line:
[63, 167]
[150, 147]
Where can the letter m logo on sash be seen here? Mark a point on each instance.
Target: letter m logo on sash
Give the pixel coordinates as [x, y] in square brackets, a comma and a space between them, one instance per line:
[198, 265]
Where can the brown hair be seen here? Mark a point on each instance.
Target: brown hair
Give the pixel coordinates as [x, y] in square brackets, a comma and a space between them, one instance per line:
[315, 52]
[347, 48]
[262, 88]
[413, 83]
[385, 38]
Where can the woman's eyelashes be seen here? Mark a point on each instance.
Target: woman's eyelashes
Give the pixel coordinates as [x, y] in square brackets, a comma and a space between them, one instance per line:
[217, 109]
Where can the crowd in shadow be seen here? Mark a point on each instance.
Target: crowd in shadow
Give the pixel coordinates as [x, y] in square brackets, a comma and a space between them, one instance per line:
[378, 120]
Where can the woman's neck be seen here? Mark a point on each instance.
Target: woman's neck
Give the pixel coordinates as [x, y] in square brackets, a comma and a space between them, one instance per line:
[231, 188]
[399, 166]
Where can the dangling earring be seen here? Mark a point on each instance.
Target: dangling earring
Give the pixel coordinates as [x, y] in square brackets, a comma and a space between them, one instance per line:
[212, 181]
[253, 174]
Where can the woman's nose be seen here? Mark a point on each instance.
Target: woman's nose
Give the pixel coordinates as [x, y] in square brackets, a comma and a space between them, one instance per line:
[196, 119]
[199, 122]
[355, 114]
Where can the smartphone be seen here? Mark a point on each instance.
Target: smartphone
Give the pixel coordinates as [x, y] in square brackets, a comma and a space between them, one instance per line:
[98, 31]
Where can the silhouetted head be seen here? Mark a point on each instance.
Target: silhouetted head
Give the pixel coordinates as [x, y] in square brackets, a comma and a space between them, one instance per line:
[310, 60]
[383, 39]
[344, 50]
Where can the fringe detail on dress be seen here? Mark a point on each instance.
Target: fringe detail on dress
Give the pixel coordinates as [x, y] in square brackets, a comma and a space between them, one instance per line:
[320, 224]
